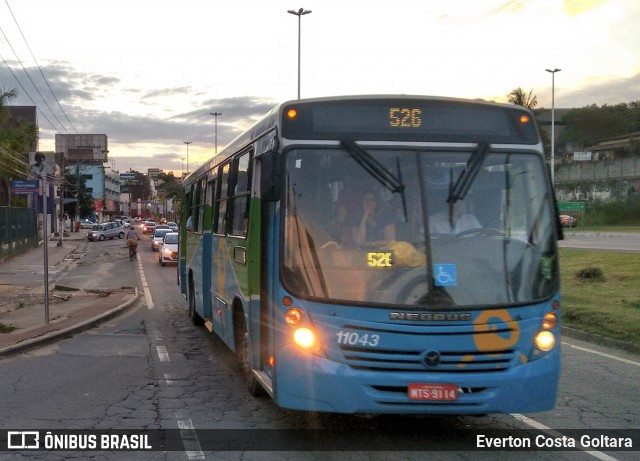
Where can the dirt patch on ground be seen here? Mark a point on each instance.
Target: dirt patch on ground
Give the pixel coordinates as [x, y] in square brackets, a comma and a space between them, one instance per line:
[14, 297]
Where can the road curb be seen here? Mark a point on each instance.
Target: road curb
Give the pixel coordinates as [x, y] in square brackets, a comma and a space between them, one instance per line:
[601, 340]
[69, 331]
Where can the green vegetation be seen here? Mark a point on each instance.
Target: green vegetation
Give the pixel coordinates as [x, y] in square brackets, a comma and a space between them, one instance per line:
[6, 328]
[618, 214]
[588, 124]
[607, 305]
[16, 140]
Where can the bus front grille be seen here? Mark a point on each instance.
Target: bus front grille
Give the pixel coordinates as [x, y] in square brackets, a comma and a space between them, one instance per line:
[362, 358]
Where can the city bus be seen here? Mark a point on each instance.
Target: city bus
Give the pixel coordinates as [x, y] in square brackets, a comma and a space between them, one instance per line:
[381, 254]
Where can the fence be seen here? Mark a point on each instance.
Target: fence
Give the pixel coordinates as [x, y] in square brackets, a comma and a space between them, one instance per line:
[606, 180]
[17, 224]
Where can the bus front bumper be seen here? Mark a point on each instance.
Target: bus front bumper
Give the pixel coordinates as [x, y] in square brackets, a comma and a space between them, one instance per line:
[313, 383]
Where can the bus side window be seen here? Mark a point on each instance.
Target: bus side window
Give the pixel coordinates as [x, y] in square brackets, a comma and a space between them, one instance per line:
[211, 197]
[193, 209]
[221, 199]
[239, 201]
[202, 200]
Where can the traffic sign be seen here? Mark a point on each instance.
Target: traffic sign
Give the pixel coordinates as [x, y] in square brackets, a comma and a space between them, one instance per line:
[24, 186]
[568, 207]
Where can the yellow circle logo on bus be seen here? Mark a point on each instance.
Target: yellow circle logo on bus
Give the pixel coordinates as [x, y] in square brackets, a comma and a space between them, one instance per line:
[487, 336]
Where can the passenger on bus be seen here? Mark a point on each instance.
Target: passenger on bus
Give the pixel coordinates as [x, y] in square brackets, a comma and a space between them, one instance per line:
[372, 227]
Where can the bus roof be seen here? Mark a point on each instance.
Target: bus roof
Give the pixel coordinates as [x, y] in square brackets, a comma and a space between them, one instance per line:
[479, 118]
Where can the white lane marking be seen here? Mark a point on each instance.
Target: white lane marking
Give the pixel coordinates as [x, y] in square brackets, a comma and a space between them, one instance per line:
[145, 287]
[147, 297]
[163, 355]
[190, 439]
[609, 356]
[536, 425]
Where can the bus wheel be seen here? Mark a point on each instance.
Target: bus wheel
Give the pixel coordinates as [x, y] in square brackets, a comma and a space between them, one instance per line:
[242, 353]
[195, 317]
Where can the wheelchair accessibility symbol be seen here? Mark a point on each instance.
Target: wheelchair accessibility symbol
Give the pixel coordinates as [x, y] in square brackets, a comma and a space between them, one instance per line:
[445, 275]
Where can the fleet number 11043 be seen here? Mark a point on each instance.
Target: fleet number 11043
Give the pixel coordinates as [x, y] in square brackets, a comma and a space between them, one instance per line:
[352, 338]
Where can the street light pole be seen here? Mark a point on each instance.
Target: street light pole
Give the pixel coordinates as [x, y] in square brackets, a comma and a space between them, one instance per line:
[215, 115]
[301, 12]
[553, 122]
[187, 143]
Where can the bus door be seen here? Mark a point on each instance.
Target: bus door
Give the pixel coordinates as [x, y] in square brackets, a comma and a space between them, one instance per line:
[269, 223]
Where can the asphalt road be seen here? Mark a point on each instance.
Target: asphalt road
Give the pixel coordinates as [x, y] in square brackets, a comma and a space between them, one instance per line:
[150, 368]
[627, 243]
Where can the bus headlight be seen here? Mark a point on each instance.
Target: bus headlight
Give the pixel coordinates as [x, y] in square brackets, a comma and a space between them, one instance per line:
[545, 341]
[293, 316]
[305, 338]
[549, 321]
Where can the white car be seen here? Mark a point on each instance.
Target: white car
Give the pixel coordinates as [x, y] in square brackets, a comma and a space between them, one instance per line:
[158, 237]
[169, 248]
[86, 224]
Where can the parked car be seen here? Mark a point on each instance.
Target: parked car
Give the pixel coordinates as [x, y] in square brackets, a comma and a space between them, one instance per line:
[158, 235]
[169, 249]
[568, 220]
[148, 227]
[108, 230]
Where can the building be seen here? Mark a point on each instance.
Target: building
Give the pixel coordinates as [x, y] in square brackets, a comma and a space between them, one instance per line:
[607, 170]
[86, 154]
[153, 173]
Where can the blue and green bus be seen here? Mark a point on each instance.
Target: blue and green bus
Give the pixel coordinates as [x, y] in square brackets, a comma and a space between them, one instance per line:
[381, 254]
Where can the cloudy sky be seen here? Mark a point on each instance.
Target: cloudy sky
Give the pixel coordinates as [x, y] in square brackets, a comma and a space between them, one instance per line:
[148, 73]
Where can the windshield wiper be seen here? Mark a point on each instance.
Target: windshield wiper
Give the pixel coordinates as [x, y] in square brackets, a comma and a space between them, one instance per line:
[376, 169]
[373, 167]
[466, 178]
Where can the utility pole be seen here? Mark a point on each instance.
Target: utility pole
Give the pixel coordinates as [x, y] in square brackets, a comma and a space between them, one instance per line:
[45, 236]
[553, 122]
[301, 12]
[187, 143]
[215, 115]
[61, 192]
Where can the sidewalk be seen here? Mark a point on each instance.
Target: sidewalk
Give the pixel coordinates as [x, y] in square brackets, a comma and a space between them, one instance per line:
[71, 309]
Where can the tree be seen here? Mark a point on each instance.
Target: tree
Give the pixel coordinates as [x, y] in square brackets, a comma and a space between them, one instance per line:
[16, 139]
[591, 123]
[77, 188]
[520, 98]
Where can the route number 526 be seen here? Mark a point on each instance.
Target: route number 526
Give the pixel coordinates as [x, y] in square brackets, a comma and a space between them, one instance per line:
[405, 117]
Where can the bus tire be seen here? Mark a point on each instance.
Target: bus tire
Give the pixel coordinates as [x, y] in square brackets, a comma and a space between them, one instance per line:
[193, 314]
[242, 354]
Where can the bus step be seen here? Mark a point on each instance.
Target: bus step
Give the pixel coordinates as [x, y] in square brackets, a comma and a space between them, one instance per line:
[208, 325]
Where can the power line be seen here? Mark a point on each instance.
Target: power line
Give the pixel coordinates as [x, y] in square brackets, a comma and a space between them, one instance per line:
[38, 65]
[32, 82]
[27, 93]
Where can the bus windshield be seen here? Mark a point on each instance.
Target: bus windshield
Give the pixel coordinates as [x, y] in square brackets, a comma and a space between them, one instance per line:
[416, 228]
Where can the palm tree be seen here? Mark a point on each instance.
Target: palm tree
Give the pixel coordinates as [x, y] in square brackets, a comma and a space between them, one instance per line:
[520, 98]
[5, 95]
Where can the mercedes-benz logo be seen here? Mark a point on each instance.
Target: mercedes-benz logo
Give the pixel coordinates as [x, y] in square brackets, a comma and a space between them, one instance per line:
[432, 359]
